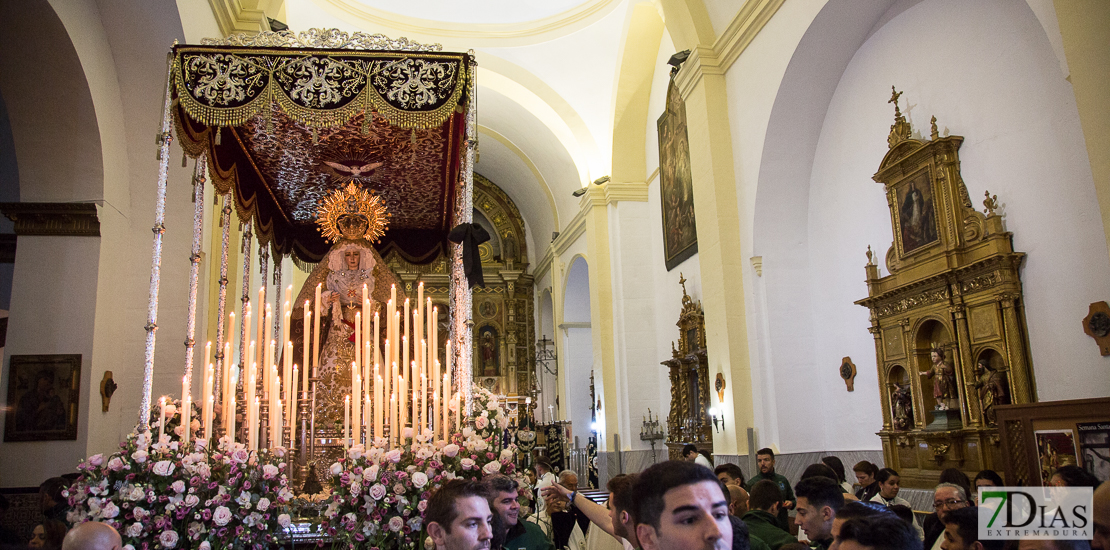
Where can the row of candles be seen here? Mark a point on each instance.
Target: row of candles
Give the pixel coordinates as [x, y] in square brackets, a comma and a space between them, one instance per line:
[406, 380]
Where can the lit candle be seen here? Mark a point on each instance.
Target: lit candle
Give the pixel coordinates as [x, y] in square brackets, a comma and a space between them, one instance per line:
[377, 335]
[358, 337]
[405, 340]
[436, 415]
[423, 401]
[377, 402]
[209, 380]
[231, 419]
[393, 431]
[253, 406]
[346, 422]
[263, 314]
[458, 413]
[227, 392]
[186, 413]
[293, 404]
[356, 392]
[446, 410]
[366, 421]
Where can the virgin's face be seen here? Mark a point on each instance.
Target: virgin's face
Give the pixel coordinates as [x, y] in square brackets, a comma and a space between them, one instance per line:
[935, 357]
[351, 257]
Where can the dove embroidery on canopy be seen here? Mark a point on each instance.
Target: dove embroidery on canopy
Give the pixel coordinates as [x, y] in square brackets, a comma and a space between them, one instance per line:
[349, 170]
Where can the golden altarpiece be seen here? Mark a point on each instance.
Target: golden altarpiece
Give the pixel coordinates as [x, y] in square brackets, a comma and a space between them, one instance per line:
[688, 421]
[504, 328]
[948, 320]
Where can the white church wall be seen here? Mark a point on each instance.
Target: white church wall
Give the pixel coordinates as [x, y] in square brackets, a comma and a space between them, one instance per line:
[1023, 143]
[577, 348]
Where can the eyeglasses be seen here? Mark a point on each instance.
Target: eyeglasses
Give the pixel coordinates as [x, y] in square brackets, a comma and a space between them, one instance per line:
[952, 502]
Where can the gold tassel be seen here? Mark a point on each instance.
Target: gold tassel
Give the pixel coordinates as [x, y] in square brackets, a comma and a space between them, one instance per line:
[184, 160]
[219, 133]
[315, 137]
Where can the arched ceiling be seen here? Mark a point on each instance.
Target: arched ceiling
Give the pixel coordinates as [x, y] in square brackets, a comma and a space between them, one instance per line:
[546, 85]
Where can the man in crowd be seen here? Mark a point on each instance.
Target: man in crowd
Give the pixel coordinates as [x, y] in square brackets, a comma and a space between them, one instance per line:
[458, 516]
[961, 531]
[947, 497]
[618, 519]
[564, 516]
[819, 498]
[730, 474]
[737, 500]
[764, 502]
[877, 532]
[544, 478]
[1102, 517]
[852, 510]
[680, 506]
[503, 492]
[765, 458]
[92, 535]
[691, 454]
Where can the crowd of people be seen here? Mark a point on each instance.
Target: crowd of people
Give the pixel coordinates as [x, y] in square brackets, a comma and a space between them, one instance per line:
[680, 505]
[684, 505]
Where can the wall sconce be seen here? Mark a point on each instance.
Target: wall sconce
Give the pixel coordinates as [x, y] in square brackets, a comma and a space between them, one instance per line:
[715, 414]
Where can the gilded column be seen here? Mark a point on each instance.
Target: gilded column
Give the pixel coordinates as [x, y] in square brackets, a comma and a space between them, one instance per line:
[1020, 383]
[876, 333]
[969, 407]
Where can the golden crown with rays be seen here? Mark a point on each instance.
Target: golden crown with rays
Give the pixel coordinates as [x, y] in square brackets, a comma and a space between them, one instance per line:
[352, 213]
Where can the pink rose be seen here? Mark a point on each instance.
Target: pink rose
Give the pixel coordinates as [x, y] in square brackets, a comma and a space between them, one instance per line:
[269, 471]
[168, 539]
[139, 456]
[178, 486]
[205, 546]
[263, 504]
[451, 450]
[241, 456]
[192, 500]
[481, 422]
[115, 464]
[221, 516]
[396, 523]
[284, 520]
[419, 480]
[163, 467]
[203, 471]
[492, 468]
[377, 491]
[109, 510]
[467, 464]
[135, 530]
[96, 460]
[394, 456]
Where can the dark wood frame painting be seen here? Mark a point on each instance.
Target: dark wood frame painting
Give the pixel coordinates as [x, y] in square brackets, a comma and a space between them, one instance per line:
[680, 235]
[51, 386]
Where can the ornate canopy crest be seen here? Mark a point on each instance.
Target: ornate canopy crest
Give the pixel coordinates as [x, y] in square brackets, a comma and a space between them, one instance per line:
[352, 213]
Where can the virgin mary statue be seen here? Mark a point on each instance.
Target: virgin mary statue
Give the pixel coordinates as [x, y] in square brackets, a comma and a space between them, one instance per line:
[352, 219]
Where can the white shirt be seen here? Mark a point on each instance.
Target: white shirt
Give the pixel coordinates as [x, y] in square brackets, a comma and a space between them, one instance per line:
[546, 480]
[702, 461]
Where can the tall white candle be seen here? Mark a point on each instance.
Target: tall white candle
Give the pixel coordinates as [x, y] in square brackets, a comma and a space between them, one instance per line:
[378, 405]
[393, 431]
[292, 415]
[186, 413]
[231, 418]
[444, 425]
[356, 397]
[263, 315]
[162, 418]
[358, 337]
[306, 345]
[316, 334]
[225, 398]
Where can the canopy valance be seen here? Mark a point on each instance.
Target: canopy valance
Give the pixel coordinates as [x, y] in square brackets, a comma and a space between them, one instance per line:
[284, 126]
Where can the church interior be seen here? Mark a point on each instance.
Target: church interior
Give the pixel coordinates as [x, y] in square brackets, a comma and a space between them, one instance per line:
[685, 203]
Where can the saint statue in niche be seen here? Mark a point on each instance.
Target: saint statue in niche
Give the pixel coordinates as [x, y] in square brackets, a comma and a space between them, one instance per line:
[902, 406]
[944, 380]
[992, 386]
[488, 359]
[917, 217]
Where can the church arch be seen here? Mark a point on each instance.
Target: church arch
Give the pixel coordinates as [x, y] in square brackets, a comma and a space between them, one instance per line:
[577, 347]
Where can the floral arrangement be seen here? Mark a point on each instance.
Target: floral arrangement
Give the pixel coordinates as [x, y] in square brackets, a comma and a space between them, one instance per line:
[166, 494]
[379, 493]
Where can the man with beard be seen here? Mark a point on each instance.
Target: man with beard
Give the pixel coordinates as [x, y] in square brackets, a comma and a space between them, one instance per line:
[766, 460]
[819, 498]
[680, 506]
[503, 492]
[459, 517]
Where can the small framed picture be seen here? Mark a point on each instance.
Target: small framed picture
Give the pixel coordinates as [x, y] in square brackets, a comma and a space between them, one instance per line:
[43, 398]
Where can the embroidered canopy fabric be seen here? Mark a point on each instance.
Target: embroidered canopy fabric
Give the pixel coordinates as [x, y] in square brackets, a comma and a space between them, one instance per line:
[283, 127]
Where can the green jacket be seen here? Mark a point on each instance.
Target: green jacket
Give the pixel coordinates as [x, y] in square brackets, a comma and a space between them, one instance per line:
[765, 526]
[531, 537]
[787, 494]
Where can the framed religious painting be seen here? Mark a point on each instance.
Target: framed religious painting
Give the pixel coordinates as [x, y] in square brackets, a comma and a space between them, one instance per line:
[917, 218]
[43, 397]
[680, 235]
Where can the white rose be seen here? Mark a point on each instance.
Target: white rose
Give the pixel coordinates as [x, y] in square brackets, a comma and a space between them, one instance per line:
[263, 504]
[109, 510]
[205, 546]
[163, 467]
[492, 468]
[269, 471]
[139, 456]
[284, 520]
[178, 486]
[451, 450]
[481, 422]
[336, 469]
[507, 454]
[377, 491]
[467, 463]
[134, 530]
[168, 539]
[192, 500]
[221, 516]
[372, 473]
[419, 480]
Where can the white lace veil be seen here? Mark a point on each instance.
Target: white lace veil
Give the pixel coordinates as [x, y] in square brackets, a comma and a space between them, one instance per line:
[336, 261]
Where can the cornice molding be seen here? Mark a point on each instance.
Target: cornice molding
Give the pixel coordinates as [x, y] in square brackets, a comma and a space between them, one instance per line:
[717, 60]
[53, 219]
[636, 191]
[232, 17]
